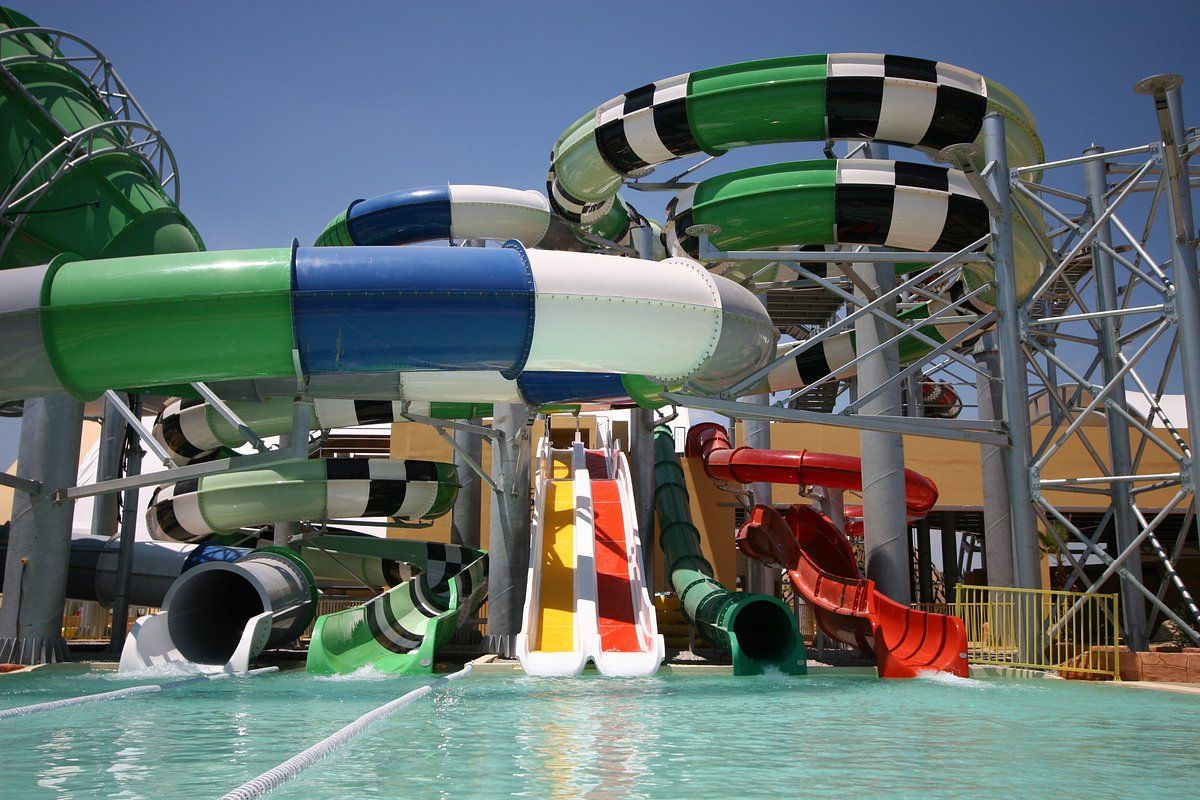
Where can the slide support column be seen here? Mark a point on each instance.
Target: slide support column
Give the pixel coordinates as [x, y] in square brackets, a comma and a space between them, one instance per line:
[129, 514]
[1027, 573]
[464, 523]
[508, 534]
[997, 519]
[39, 539]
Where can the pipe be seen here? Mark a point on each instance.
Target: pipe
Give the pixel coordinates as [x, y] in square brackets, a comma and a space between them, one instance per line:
[757, 630]
[722, 462]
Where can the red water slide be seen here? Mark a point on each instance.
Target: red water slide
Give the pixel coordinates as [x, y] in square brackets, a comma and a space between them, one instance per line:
[821, 563]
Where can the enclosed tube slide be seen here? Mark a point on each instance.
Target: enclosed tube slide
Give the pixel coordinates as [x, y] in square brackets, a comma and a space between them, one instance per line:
[820, 561]
[586, 595]
[551, 323]
[224, 613]
[310, 489]
[757, 630]
[723, 462]
[107, 203]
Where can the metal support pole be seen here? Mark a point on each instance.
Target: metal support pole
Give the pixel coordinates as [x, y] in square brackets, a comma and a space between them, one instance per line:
[1018, 455]
[108, 468]
[129, 513]
[950, 554]
[641, 448]
[39, 539]
[464, 523]
[1168, 103]
[885, 537]
[508, 534]
[641, 467]
[760, 578]
[1133, 604]
[283, 531]
[924, 562]
[997, 519]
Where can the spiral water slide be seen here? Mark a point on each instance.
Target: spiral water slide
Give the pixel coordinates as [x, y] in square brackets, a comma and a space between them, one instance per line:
[586, 596]
[820, 561]
[916, 103]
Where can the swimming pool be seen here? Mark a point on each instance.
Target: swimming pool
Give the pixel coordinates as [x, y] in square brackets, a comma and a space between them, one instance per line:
[663, 737]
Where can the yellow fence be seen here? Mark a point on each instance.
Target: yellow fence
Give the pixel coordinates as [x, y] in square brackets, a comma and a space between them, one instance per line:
[1074, 633]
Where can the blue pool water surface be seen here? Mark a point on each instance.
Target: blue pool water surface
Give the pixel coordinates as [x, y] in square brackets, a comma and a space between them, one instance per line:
[591, 737]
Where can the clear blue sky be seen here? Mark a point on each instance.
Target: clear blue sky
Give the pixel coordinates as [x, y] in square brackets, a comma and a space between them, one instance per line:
[281, 113]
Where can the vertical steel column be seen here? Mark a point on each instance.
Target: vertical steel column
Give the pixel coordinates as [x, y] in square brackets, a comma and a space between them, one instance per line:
[129, 513]
[1133, 603]
[997, 517]
[950, 554]
[641, 448]
[108, 467]
[464, 522]
[1015, 388]
[760, 578]
[885, 537]
[39, 539]
[1168, 104]
[508, 534]
[282, 532]
[641, 467]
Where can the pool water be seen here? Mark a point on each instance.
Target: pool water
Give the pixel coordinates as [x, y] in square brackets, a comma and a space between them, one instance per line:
[592, 737]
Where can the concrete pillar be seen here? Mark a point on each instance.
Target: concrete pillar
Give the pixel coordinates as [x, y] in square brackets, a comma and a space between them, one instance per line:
[39, 540]
[508, 543]
[464, 524]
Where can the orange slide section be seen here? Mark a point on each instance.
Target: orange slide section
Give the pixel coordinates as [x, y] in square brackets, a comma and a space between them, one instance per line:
[614, 595]
[821, 563]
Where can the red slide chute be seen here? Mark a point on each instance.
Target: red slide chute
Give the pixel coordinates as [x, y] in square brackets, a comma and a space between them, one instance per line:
[821, 563]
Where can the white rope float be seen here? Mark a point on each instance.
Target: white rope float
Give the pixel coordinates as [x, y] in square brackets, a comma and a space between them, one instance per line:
[117, 694]
[274, 777]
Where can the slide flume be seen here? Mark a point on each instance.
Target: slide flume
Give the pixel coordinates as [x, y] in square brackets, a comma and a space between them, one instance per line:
[821, 563]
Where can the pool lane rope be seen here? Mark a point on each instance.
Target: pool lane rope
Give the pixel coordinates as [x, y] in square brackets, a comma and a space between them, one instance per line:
[117, 694]
[275, 777]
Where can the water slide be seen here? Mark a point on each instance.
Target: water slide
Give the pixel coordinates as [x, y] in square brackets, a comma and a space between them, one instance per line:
[106, 199]
[821, 563]
[925, 105]
[758, 631]
[586, 596]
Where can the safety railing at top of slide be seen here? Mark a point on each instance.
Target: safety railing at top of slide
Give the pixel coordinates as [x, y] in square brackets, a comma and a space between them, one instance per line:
[1074, 633]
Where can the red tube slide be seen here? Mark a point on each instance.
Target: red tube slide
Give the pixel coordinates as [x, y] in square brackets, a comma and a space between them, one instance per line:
[722, 462]
[821, 563]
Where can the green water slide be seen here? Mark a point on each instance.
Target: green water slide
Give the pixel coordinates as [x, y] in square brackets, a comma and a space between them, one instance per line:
[78, 176]
[401, 630]
[758, 631]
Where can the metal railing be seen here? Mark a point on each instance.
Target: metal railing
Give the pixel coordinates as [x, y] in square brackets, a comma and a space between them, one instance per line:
[87, 620]
[1074, 633]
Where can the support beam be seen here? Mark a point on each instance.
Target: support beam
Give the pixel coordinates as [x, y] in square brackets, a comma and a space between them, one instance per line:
[464, 524]
[508, 535]
[109, 453]
[885, 527]
[39, 540]
[1120, 457]
[125, 548]
[760, 578]
[997, 519]
[950, 554]
[641, 467]
[1015, 389]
